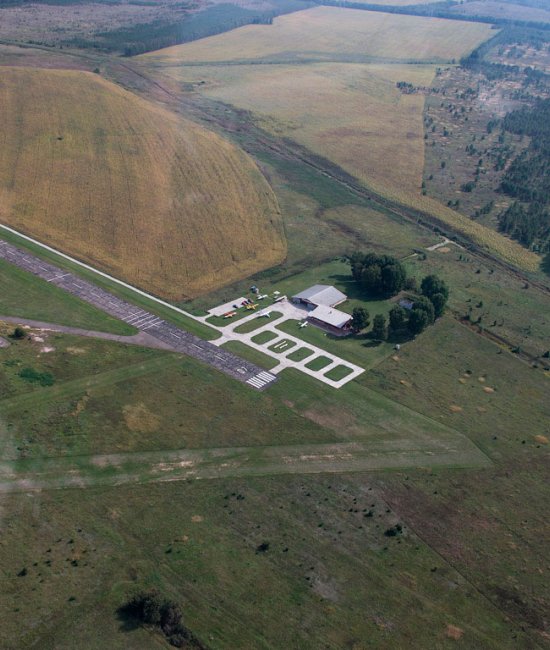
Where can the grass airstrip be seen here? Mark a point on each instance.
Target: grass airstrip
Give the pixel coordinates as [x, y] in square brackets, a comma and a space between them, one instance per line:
[112, 179]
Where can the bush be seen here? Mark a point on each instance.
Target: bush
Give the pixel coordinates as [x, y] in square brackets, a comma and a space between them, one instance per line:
[18, 333]
[34, 377]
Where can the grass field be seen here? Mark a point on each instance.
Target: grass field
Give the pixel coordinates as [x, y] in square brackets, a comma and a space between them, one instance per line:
[341, 102]
[27, 296]
[328, 33]
[352, 114]
[328, 556]
[192, 211]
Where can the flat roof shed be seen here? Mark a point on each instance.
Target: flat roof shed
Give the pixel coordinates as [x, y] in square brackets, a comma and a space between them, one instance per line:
[329, 316]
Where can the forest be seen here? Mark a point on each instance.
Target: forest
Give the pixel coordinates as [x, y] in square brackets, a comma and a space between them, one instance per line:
[528, 178]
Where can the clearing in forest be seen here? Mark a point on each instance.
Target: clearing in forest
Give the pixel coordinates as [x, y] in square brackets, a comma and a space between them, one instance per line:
[112, 179]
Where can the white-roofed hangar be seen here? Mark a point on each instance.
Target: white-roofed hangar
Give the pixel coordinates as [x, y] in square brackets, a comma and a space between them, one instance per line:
[321, 300]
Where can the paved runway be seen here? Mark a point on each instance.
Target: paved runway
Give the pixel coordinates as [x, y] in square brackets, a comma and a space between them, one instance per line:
[177, 339]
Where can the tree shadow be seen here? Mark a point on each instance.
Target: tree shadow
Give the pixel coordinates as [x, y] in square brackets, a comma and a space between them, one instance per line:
[128, 620]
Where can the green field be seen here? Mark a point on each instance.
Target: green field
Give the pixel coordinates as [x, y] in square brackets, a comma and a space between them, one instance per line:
[192, 539]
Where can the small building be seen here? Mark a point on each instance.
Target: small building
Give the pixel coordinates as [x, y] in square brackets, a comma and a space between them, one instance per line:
[320, 294]
[330, 319]
[406, 303]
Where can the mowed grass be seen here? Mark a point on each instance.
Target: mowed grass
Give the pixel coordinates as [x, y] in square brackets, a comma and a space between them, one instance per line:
[26, 296]
[125, 185]
[323, 33]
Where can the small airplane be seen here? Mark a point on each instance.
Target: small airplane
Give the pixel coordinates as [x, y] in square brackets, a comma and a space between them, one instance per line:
[252, 306]
[265, 314]
[280, 298]
[229, 314]
[303, 324]
[262, 296]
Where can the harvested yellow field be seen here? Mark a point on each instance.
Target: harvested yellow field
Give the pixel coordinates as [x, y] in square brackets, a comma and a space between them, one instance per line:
[117, 181]
[326, 33]
[352, 114]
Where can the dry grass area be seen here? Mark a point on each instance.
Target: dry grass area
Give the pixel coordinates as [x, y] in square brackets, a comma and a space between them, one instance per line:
[323, 33]
[128, 186]
[352, 114]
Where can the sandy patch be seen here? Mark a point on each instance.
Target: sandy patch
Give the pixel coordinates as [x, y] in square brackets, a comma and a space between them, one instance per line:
[196, 519]
[80, 405]
[543, 440]
[405, 383]
[481, 380]
[72, 350]
[395, 357]
[138, 418]
[481, 409]
[444, 249]
[36, 338]
[488, 389]
[462, 380]
[47, 349]
[454, 632]
[454, 408]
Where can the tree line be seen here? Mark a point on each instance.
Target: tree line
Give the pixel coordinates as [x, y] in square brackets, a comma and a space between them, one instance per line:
[385, 276]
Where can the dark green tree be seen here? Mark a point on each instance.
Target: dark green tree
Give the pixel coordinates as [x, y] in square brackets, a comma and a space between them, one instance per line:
[398, 318]
[19, 333]
[433, 284]
[418, 321]
[393, 278]
[360, 319]
[371, 279]
[379, 331]
[425, 304]
[439, 301]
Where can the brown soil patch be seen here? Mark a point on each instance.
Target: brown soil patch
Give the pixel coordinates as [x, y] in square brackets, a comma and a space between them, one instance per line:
[481, 380]
[444, 249]
[543, 440]
[288, 403]
[454, 632]
[481, 409]
[196, 519]
[488, 389]
[405, 383]
[139, 419]
[454, 408]
[395, 357]
[462, 380]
